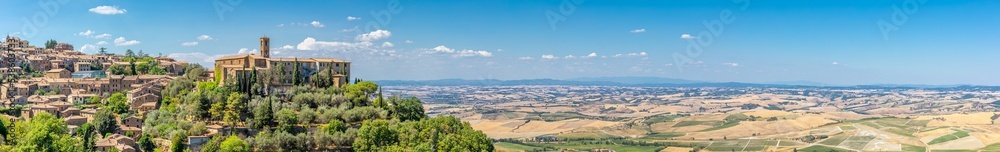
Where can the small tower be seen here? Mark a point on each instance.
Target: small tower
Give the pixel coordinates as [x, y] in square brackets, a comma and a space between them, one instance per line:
[265, 47]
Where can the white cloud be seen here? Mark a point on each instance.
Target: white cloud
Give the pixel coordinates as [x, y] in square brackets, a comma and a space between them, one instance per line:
[87, 33]
[460, 53]
[108, 10]
[102, 42]
[276, 51]
[835, 63]
[387, 44]
[638, 31]
[317, 24]
[352, 18]
[311, 44]
[591, 55]
[205, 37]
[90, 34]
[281, 25]
[570, 57]
[374, 35]
[549, 56]
[103, 36]
[197, 57]
[189, 44]
[525, 58]
[639, 54]
[247, 51]
[408, 42]
[120, 41]
[88, 48]
[731, 64]
[687, 36]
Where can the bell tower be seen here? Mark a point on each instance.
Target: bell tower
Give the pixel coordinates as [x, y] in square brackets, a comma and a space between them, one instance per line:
[265, 47]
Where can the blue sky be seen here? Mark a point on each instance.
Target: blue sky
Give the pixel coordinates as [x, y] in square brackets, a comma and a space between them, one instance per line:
[834, 42]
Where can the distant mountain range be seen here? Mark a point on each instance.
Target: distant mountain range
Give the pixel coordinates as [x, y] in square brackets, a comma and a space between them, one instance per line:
[643, 81]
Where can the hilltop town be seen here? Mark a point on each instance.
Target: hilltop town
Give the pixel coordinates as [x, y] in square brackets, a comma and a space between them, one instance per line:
[55, 98]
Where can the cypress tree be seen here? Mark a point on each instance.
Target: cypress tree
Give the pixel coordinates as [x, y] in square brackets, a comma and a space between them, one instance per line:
[295, 73]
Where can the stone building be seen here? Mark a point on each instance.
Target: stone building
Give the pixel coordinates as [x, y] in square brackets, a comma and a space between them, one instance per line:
[230, 66]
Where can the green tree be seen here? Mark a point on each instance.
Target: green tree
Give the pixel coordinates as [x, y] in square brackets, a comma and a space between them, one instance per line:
[94, 100]
[296, 75]
[86, 133]
[146, 144]
[279, 74]
[334, 126]
[234, 144]
[118, 69]
[218, 110]
[103, 51]
[117, 103]
[142, 54]
[51, 44]
[213, 144]
[129, 54]
[104, 121]
[234, 109]
[263, 115]
[322, 79]
[445, 133]
[360, 93]
[132, 68]
[45, 132]
[373, 135]
[408, 109]
[177, 143]
[286, 120]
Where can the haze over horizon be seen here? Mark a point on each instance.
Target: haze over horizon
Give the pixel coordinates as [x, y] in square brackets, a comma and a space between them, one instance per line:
[834, 42]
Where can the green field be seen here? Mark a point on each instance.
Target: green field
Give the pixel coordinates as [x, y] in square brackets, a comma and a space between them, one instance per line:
[871, 124]
[723, 126]
[737, 117]
[692, 123]
[903, 132]
[857, 142]
[913, 148]
[993, 147]
[577, 135]
[515, 146]
[834, 140]
[953, 136]
[786, 143]
[663, 135]
[741, 145]
[848, 127]
[577, 145]
[953, 151]
[892, 122]
[661, 118]
[727, 145]
[820, 148]
[588, 147]
[920, 123]
[550, 116]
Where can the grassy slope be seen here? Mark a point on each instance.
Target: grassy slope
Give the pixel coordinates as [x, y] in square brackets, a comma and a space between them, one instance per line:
[993, 147]
[820, 148]
[958, 134]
